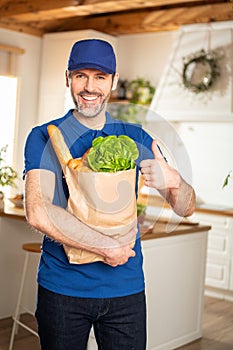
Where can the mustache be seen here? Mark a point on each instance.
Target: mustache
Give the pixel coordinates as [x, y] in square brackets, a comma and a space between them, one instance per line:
[85, 92]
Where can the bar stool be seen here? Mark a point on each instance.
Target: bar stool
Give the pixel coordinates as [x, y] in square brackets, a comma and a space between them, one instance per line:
[28, 248]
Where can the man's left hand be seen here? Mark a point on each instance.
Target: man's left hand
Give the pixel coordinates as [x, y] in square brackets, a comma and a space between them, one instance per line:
[157, 173]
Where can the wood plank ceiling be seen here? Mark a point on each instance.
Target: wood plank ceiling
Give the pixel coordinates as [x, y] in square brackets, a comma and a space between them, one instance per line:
[118, 17]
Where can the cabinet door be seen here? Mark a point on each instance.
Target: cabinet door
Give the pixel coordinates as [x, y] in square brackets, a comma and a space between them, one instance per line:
[219, 250]
[218, 273]
[219, 244]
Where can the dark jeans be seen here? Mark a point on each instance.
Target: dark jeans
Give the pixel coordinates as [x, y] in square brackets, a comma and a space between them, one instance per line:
[64, 322]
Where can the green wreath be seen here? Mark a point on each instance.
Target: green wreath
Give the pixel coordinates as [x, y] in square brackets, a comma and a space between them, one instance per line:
[204, 66]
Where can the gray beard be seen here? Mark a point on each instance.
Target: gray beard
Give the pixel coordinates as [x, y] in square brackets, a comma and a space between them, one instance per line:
[91, 112]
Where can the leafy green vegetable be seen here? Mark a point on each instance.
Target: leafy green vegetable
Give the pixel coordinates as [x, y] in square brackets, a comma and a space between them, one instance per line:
[112, 153]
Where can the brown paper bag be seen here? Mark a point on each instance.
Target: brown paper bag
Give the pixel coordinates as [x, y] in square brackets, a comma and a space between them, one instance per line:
[104, 201]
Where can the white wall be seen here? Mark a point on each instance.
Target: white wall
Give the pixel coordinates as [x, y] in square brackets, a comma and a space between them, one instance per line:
[144, 55]
[29, 73]
[210, 147]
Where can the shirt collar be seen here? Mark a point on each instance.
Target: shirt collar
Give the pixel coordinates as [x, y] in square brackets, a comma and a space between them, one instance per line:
[108, 128]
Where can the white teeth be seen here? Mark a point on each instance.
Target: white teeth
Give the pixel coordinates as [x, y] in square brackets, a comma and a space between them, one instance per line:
[90, 98]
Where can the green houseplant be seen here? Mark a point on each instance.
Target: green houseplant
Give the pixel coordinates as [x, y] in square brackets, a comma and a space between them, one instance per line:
[141, 91]
[8, 175]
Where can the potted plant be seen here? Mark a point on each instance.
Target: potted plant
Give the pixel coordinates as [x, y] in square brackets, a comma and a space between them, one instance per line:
[140, 91]
[8, 175]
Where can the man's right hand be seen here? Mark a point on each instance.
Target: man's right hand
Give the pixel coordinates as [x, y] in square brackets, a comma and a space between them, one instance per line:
[120, 254]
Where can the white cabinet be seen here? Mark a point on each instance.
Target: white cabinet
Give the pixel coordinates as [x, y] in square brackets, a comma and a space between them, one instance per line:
[174, 272]
[219, 265]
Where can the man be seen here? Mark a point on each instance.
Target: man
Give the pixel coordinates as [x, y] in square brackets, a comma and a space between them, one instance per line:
[107, 295]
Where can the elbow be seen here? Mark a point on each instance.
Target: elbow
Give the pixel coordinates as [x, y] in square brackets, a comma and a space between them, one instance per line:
[34, 217]
[185, 208]
[189, 210]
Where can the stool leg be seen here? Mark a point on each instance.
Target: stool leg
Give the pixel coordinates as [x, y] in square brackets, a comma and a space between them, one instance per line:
[17, 310]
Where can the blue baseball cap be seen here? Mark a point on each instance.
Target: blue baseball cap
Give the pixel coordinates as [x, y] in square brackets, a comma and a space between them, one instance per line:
[92, 53]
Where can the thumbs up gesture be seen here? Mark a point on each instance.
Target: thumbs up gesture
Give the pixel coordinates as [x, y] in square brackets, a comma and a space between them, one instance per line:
[157, 173]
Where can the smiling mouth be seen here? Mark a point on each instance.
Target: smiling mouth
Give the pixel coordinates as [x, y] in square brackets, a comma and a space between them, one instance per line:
[89, 98]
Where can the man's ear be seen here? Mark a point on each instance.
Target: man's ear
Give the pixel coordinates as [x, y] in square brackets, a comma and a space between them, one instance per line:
[67, 78]
[115, 81]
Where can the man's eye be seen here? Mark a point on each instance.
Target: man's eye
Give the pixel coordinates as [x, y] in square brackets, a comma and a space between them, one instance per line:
[79, 76]
[100, 77]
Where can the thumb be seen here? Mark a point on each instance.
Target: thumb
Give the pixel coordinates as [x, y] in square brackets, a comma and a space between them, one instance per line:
[156, 150]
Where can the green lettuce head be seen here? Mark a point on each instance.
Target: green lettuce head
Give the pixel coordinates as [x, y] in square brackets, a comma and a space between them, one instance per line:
[112, 153]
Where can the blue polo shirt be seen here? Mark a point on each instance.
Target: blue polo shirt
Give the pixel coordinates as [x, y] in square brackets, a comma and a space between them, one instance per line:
[55, 273]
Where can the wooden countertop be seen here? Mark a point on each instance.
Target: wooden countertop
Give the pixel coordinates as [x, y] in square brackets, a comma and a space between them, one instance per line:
[224, 212]
[162, 229]
[13, 213]
[152, 230]
[158, 201]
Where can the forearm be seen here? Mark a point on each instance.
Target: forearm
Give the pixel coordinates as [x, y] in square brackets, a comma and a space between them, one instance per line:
[181, 197]
[76, 231]
[55, 221]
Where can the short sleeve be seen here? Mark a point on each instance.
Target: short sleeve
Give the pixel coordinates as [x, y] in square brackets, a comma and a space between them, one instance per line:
[38, 152]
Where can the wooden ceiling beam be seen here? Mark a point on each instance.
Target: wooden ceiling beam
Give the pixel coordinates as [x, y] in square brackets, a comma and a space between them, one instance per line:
[147, 21]
[10, 8]
[41, 10]
[117, 22]
[21, 28]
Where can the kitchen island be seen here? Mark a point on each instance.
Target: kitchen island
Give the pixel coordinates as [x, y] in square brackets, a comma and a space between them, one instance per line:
[174, 265]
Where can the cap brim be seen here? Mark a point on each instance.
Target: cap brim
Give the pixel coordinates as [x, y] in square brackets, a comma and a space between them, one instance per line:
[91, 65]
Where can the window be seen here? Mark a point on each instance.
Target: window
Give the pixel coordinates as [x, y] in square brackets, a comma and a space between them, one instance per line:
[8, 103]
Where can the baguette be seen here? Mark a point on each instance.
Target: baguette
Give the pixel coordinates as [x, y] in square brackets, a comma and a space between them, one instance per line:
[62, 151]
[59, 145]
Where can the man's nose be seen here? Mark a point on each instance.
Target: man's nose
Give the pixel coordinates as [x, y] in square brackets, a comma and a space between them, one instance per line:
[90, 84]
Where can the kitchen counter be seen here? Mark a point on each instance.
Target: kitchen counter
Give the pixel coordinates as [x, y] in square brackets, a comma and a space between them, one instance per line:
[214, 211]
[161, 229]
[13, 213]
[153, 229]
[158, 201]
